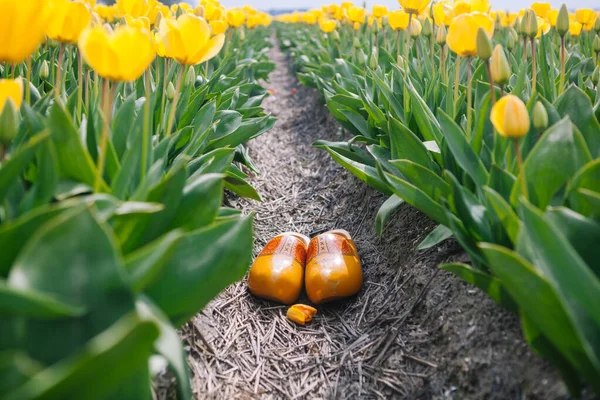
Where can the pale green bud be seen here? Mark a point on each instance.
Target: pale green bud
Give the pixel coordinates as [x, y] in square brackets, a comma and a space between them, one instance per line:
[170, 91]
[44, 70]
[562, 21]
[540, 116]
[484, 45]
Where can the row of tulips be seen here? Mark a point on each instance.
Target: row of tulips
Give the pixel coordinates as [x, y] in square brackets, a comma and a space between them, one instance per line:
[488, 123]
[120, 128]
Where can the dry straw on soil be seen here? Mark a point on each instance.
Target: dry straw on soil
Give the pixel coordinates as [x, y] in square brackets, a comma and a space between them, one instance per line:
[412, 332]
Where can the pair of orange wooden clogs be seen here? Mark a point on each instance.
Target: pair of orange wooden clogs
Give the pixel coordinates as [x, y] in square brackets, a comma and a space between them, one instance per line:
[328, 266]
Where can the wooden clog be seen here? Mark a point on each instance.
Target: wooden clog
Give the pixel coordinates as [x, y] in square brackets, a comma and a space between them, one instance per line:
[333, 269]
[278, 271]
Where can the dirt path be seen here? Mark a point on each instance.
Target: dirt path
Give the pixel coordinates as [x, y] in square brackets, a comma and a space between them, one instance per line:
[412, 332]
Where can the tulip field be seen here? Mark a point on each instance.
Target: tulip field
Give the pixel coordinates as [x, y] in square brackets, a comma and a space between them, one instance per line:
[126, 141]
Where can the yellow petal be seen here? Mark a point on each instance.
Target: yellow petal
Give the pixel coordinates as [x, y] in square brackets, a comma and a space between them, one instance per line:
[212, 48]
[11, 89]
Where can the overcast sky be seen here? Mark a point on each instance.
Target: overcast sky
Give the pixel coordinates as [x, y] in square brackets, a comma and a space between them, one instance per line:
[512, 5]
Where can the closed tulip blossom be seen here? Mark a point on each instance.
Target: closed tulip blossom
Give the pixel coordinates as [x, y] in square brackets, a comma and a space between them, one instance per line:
[398, 20]
[22, 28]
[510, 117]
[462, 35]
[121, 56]
[11, 90]
[327, 25]
[68, 20]
[235, 18]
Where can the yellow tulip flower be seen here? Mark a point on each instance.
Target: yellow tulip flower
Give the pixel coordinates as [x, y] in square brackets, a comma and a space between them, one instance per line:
[122, 55]
[586, 17]
[541, 9]
[187, 39]
[482, 6]
[414, 6]
[510, 117]
[22, 28]
[442, 13]
[218, 26]
[135, 8]
[462, 35]
[507, 19]
[415, 28]
[107, 13]
[575, 28]
[379, 11]
[543, 27]
[551, 17]
[398, 20]
[236, 18]
[68, 20]
[327, 25]
[11, 90]
[141, 22]
[213, 12]
[357, 14]
[460, 8]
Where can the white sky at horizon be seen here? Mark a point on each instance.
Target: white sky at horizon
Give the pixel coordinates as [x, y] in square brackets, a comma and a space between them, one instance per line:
[512, 5]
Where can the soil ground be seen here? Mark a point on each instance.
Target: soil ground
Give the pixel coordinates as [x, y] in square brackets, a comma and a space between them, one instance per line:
[412, 332]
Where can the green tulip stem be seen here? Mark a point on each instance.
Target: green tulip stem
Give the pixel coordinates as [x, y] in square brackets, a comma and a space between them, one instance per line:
[432, 54]
[80, 85]
[58, 82]
[398, 44]
[456, 82]
[561, 83]
[521, 170]
[525, 49]
[28, 79]
[174, 103]
[443, 64]
[407, 32]
[104, 138]
[469, 97]
[146, 126]
[533, 68]
[491, 80]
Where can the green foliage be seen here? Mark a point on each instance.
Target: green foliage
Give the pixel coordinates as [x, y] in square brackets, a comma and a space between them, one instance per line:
[98, 280]
[532, 233]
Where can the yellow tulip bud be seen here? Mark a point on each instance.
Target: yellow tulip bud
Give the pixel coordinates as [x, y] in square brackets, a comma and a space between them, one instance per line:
[398, 20]
[462, 35]
[415, 28]
[510, 117]
[499, 66]
[440, 35]
[301, 313]
[218, 26]
[484, 45]
[236, 18]
[540, 116]
[44, 71]
[327, 25]
[170, 91]
[562, 21]
[529, 24]
[22, 28]
[68, 20]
